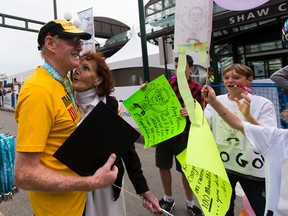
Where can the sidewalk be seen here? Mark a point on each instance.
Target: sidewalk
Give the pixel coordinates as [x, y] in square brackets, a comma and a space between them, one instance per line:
[20, 204]
[8, 110]
[239, 190]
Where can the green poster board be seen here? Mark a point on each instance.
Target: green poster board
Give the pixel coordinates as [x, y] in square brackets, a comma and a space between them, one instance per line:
[156, 111]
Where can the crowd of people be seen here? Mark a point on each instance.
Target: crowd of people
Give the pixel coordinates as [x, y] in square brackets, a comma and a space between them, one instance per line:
[52, 106]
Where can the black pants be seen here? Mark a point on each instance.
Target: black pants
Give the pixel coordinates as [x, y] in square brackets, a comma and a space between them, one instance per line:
[254, 190]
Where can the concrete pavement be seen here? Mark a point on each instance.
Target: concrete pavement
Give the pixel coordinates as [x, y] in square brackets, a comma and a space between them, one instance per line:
[20, 204]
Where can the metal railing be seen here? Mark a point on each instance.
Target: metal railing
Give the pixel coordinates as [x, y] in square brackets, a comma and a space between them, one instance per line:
[271, 91]
[20, 23]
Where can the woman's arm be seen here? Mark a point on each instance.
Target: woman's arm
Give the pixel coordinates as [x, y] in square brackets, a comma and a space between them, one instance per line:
[133, 166]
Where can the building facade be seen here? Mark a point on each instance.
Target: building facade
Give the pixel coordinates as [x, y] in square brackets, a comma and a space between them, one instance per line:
[252, 37]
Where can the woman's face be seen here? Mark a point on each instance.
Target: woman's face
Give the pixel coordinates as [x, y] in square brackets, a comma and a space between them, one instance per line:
[85, 76]
[232, 79]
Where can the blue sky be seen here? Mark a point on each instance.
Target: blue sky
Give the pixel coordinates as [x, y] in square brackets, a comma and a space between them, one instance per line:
[19, 48]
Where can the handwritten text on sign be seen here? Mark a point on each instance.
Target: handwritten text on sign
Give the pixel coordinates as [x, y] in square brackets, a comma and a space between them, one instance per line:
[210, 189]
[156, 111]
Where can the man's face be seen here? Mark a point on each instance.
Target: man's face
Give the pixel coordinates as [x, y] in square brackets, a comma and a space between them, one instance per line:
[67, 51]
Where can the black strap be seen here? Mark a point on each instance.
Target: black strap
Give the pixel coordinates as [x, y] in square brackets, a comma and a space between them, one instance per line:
[269, 213]
[112, 103]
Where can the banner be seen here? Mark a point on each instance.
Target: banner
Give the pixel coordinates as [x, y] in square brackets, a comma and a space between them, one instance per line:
[87, 20]
[193, 28]
[201, 162]
[156, 110]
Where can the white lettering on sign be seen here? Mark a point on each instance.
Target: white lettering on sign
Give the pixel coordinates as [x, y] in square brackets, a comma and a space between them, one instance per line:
[257, 14]
[250, 16]
[283, 7]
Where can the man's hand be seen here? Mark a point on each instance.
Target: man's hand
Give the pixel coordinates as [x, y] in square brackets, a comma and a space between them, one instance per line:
[106, 175]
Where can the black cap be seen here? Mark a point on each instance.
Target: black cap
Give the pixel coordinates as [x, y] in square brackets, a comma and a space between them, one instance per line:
[62, 28]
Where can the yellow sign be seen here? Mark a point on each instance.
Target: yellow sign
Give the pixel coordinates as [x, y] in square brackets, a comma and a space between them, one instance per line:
[212, 192]
[201, 162]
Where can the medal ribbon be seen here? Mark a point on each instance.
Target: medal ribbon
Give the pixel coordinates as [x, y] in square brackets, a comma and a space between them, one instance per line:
[65, 84]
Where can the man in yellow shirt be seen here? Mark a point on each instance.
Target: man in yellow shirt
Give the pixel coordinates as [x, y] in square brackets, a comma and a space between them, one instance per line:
[47, 114]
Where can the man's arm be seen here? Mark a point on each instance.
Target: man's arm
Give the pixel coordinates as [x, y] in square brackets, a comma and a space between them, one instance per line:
[30, 174]
[281, 78]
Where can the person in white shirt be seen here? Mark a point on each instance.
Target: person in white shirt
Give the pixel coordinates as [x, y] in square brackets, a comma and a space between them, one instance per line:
[268, 140]
[244, 164]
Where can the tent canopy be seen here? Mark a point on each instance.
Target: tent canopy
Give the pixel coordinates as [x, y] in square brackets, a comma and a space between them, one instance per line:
[130, 55]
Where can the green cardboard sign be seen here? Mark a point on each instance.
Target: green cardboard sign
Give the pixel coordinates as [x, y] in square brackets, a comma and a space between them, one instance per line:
[156, 111]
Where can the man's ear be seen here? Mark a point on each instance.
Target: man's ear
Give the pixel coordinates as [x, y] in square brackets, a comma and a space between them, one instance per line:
[50, 43]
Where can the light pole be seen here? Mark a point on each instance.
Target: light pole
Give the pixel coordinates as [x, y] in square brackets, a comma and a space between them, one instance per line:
[55, 9]
[164, 52]
[143, 41]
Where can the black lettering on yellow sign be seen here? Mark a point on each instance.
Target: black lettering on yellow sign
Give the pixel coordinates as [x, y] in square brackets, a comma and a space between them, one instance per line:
[210, 189]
